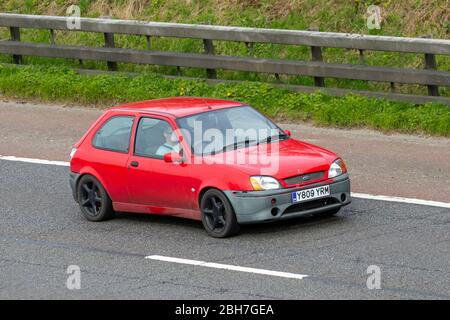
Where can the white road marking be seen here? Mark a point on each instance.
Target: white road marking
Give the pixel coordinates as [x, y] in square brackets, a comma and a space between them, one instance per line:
[354, 194]
[37, 161]
[227, 267]
[400, 199]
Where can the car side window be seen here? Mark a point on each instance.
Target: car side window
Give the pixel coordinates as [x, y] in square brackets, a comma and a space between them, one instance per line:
[154, 138]
[114, 134]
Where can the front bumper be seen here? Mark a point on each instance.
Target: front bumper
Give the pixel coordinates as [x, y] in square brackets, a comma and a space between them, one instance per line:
[256, 206]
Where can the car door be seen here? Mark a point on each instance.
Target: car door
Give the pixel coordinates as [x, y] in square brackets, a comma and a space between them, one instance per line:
[159, 185]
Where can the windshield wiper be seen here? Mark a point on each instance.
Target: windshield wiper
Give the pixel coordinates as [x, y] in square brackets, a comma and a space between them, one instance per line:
[269, 139]
[237, 144]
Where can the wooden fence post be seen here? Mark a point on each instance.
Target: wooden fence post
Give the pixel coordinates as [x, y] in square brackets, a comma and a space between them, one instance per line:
[361, 56]
[392, 87]
[316, 55]
[109, 43]
[52, 36]
[209, 49]
[15, 36]
[430, 64]
[250, 48]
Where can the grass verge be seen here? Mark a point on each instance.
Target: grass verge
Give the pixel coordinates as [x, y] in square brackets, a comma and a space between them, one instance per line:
[352, 111]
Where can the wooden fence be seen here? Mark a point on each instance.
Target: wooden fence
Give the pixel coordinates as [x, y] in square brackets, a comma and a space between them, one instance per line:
[428, 76]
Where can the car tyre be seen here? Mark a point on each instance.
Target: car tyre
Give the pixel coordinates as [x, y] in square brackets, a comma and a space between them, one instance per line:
[218, 217]
[94, 201]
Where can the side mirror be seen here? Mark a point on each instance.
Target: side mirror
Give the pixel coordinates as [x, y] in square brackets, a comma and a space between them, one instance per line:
[173, 157]
[287, 132]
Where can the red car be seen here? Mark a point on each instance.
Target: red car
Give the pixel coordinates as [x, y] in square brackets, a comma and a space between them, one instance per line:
[217, 161]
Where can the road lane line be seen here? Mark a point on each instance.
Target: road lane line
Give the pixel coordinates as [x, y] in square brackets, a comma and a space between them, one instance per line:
[401, 200]
[37, 161]
[353, 194]
[227, 267]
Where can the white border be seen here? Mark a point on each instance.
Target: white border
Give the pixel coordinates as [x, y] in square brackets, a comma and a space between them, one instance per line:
[401, 200]
[37, 161]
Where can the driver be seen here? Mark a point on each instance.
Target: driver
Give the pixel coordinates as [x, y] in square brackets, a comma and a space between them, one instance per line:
[171, 145]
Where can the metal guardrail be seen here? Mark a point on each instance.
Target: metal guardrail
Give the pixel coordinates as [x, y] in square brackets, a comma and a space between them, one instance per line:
[316, 68]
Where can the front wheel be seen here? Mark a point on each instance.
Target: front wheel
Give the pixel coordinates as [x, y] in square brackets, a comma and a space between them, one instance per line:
[218, 216]
[95, 204]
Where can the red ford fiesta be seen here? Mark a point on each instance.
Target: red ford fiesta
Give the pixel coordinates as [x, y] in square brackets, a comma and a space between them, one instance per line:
[217, 161]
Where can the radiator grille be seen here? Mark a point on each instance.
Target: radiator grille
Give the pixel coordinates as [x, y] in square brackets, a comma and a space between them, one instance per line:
[303, 178]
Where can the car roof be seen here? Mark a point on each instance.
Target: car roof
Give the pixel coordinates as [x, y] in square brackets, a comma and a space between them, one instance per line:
[178, 106]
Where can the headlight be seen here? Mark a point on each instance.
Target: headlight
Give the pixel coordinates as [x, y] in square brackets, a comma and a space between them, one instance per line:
[337, 168]
[72, 153]
[264, 183]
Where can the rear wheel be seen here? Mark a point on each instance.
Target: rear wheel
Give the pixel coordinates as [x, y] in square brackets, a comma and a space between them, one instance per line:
[218, 216]
[95, 204]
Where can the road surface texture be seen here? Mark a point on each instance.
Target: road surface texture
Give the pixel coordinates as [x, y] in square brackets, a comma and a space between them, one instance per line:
[42, 232]
[394, 165]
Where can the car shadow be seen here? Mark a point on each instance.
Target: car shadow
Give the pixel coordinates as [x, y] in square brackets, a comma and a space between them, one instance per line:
[272, 227]
[306, 222]
[159, 219]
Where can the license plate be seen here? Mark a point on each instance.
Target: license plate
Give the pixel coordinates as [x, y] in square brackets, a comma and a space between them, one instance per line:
[308, 194]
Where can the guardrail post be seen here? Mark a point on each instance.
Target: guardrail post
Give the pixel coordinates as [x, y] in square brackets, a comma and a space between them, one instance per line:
[109, 43]
[392, 86]
[361, 56]
[277, 77]
[361, 59]
[15, 36]
[209, 49]
[250, 48]
[316, 55]
[52, 36]
[149, 42]
[430, 64]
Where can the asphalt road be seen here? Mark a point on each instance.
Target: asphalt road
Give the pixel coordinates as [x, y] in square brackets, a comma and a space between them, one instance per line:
[42, 232]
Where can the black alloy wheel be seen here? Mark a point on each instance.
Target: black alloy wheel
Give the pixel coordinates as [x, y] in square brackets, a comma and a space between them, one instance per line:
[95, 204]
[218, 216]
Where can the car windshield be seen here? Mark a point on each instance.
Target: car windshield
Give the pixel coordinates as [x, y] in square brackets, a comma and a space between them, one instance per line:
[228, 129]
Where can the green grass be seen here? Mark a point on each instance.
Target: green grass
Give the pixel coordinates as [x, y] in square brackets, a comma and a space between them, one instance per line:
[63, 84]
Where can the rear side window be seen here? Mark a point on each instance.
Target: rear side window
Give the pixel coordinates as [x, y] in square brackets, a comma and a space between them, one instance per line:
[115, 134]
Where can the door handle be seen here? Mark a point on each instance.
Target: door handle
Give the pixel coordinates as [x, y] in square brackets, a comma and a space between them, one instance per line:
[134, 164]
